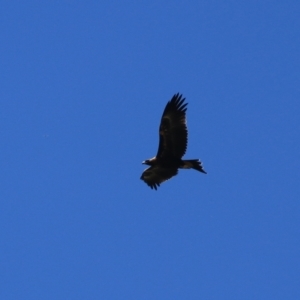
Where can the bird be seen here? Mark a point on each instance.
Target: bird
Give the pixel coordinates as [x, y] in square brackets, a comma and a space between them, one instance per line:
[173, 138]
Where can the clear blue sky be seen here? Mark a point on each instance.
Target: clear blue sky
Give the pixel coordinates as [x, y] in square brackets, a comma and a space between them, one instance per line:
[83, 87]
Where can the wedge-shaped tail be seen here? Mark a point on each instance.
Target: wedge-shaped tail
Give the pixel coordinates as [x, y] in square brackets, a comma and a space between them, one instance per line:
[193, 164]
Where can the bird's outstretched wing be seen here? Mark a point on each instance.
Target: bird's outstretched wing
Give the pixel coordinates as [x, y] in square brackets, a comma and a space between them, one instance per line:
[172, 130]
[155, 175]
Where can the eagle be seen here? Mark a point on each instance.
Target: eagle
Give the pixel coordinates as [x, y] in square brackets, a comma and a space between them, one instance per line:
[173, 137]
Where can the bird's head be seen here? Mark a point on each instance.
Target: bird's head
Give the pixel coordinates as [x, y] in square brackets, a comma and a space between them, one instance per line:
[146, 162]
[149, 162]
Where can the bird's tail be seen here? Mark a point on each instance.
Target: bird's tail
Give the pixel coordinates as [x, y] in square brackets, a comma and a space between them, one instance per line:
[193, 164]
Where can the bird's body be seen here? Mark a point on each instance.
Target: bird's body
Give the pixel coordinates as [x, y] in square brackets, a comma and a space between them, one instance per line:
[172, 146]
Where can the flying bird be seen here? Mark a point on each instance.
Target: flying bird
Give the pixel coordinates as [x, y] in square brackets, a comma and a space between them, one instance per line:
[173, 137]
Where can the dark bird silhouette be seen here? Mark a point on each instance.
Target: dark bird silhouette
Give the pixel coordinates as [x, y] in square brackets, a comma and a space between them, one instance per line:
[172, 146]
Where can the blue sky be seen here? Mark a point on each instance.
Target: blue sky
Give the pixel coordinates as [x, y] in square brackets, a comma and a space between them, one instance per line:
[83, 87]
